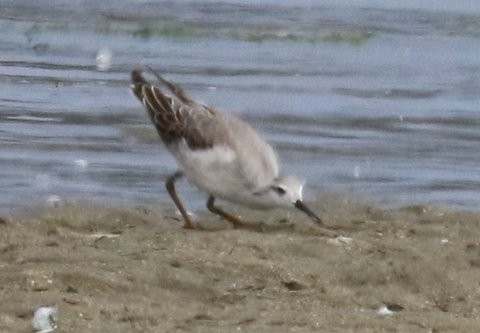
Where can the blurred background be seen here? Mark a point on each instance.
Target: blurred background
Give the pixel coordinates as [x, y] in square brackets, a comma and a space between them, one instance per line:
[377, 99]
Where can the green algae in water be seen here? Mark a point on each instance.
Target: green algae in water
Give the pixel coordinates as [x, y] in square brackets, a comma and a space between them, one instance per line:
[348, 37]
[355, 37]
[144, 32]
[172, 30]
[185, 30]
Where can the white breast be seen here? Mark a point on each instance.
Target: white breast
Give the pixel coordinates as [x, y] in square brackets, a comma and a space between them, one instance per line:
[213, 170]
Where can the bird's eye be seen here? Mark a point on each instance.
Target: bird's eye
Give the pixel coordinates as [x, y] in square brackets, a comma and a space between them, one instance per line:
[279, 190]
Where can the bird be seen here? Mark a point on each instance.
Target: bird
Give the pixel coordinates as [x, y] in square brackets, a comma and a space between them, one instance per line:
[217, 152]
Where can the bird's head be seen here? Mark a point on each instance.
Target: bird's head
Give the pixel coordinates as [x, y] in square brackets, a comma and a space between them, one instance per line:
[287, 192]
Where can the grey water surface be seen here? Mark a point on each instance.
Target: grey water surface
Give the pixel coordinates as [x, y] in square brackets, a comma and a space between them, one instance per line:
[380, 99]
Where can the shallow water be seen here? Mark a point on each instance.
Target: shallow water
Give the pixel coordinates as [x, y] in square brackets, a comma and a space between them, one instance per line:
[380, 100]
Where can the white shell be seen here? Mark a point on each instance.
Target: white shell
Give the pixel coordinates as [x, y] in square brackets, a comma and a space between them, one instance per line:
[384, 311]
[340, 240]
[53, 200]
[104, 59]
[44, 319]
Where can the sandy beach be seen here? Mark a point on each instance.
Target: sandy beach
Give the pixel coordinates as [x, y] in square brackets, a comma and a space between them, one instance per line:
[375, 100]
[134, 269]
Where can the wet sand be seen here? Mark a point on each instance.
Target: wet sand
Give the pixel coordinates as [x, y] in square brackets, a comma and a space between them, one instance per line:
[136, 270]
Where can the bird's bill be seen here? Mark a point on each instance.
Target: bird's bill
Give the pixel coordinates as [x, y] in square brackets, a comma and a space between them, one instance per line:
[301, 206]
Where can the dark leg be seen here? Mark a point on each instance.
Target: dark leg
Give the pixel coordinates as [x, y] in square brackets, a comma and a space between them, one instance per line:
[173, 194]
[214, 209]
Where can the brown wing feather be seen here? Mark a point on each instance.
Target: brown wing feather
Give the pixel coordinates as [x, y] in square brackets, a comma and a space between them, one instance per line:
[176, 89]
[176, 118]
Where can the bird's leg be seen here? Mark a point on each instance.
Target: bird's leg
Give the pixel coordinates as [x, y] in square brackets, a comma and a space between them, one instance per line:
[170, 184]
[237, 223]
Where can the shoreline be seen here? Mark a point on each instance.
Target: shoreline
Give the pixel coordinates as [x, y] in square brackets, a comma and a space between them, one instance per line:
[135, 269]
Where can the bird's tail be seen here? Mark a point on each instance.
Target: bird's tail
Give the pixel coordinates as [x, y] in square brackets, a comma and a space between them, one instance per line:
[164, 110]
[138, 81]
[157, 104]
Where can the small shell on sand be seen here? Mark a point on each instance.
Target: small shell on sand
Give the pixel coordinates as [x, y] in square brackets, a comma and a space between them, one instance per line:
[44, 319]
[53, 201]
[340, 240]
[384, 311]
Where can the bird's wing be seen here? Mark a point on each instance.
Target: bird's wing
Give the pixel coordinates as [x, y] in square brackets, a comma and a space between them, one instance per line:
[179, 117]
